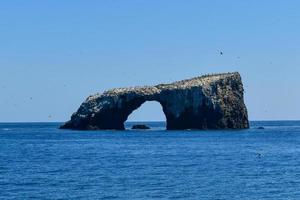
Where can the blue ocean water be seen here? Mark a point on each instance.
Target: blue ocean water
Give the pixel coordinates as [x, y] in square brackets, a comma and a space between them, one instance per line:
[39, 161]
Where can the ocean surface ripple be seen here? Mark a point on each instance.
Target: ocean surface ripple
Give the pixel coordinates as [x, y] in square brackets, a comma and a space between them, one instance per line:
[39, 161]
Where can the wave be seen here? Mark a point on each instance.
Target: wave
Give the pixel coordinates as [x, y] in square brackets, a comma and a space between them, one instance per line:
[6, 129]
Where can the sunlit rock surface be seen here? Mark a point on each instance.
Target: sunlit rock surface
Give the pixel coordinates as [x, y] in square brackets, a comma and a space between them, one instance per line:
[206, 102]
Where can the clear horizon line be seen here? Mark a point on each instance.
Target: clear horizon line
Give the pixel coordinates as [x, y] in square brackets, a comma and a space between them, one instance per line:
[2, 122]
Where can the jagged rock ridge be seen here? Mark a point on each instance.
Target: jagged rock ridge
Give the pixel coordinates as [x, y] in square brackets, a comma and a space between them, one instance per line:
[206, 102]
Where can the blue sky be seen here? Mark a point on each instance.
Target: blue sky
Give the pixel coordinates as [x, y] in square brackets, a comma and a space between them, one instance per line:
[53, 54]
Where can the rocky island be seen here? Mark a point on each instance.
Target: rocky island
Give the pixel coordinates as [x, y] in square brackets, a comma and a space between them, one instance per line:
[140, 126]
[205, 102]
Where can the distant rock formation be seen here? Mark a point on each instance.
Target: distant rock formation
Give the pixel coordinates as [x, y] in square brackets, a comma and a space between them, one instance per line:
[206, 102]
[140, 126]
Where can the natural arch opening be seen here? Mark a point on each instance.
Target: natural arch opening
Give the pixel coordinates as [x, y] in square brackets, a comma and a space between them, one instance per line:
[150, 113]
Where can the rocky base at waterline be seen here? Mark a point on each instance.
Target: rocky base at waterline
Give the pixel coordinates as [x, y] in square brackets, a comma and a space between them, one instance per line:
[206, 102]
[140, 126]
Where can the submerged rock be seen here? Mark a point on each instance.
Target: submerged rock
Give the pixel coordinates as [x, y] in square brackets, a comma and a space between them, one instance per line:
[205, 102]
[140, 126]
[261, 127]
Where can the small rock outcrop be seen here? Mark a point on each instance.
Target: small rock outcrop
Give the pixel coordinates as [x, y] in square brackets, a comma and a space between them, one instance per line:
[205, 102]
[140, 126]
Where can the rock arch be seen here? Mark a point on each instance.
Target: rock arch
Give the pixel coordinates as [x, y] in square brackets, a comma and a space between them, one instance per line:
[207, 102]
